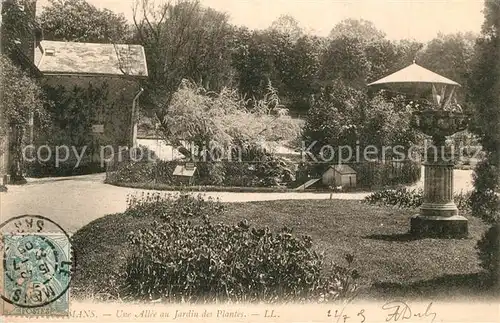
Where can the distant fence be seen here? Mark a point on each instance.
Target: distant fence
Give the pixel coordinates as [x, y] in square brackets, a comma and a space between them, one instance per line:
[371, 174]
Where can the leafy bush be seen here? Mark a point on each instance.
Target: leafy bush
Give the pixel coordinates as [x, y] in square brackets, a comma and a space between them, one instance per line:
[401, 197]
[489, 252]
[485, 204]
[485, 200]
[180, 205]
[199, 116]
[132, 172]
[463, 200]
[142, 172]
[412, 198]
[184, 256]
[163, 171]
[38, 169]
[267, 170]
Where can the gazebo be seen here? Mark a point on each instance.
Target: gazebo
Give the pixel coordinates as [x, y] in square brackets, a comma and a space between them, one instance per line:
[437, 114]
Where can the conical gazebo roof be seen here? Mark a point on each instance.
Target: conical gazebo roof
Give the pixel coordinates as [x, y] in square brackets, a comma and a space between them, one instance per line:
[414, 73]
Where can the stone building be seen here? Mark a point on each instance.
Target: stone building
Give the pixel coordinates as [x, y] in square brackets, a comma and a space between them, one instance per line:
[119, 67]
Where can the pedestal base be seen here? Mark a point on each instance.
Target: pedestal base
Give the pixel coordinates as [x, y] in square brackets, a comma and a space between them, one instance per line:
[452, 227]
[438, 209]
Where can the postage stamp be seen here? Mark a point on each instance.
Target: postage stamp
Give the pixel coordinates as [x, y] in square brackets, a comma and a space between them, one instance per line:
[36, 267]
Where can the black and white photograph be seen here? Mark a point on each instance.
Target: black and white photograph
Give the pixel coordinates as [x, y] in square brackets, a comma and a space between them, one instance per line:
[245, 161]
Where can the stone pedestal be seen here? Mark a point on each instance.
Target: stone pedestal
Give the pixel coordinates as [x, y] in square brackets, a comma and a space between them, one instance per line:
[438, 215]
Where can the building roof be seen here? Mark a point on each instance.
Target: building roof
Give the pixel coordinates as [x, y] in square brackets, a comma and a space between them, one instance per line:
[414, 74]
[343, 169]
[91, 59]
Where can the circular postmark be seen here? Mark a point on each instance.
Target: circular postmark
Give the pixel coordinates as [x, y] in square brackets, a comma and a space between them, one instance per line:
[36, 261]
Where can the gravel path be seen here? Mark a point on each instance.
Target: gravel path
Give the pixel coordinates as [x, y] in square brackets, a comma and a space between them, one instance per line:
[75, 201]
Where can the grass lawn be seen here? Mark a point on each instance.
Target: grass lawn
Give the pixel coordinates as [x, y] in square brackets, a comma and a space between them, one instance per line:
[391, 263]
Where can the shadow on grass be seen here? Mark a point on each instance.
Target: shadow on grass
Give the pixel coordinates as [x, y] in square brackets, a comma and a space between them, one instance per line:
[446, 286]
[401, 237]
[404, 237]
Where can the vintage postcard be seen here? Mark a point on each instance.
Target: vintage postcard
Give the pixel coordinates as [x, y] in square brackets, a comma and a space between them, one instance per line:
[248, 161]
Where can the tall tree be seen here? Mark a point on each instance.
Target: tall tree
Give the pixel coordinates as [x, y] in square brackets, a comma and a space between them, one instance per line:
[357, 28]
[358, 52]
[304, 69]
[182, 40]
[345, 59]
[289, 26]
[260, 57]
[485, 97]
[451, 56]
[78, 20]
[406, 52]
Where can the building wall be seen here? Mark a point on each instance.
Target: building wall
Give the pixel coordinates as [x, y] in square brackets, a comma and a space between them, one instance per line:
[338, 178]
[331, 177]
[115, 117]
[348, 180]
[328, 177]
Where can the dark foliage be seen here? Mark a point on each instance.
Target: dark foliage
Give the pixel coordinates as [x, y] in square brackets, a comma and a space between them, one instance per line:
[412, 198]
[184, 205]
[485, 86]
[401, 197]
[488, 253]
[38, 169]
[268, 171]
[186, 256]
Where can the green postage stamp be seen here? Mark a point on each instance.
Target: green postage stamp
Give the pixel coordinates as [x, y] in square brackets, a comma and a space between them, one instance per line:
[36, 270]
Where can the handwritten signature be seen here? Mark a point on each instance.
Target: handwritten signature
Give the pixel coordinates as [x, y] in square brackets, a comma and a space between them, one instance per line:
[400, 311]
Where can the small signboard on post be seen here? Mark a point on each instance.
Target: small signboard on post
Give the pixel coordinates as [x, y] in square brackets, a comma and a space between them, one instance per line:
[98, 128]
[187, 170]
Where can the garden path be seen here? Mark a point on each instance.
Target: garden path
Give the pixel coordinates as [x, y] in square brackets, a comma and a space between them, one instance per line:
[75, 201]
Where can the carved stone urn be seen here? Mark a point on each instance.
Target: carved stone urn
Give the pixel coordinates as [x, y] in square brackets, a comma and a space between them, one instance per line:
[440, 117]
[438, 215]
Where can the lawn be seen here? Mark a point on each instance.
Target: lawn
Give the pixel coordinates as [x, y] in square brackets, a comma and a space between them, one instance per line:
[391, 263]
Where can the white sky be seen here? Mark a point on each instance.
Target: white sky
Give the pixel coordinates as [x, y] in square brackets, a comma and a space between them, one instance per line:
[415, 19]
